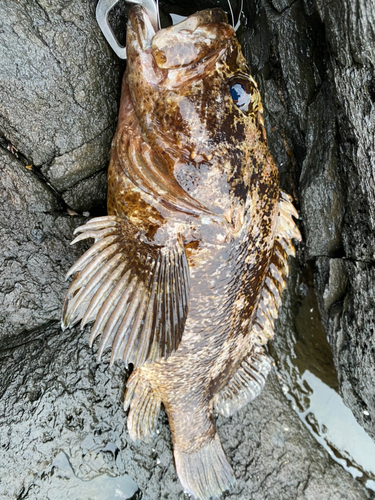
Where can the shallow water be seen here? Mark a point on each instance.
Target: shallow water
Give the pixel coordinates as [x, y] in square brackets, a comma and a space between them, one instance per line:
[305, 369]
[59, 482]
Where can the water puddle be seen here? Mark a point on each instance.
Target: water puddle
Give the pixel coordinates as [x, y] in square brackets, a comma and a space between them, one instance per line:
[60, 482]
[307, 374]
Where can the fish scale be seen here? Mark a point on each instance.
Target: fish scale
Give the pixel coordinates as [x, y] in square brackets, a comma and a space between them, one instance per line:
[201, 233]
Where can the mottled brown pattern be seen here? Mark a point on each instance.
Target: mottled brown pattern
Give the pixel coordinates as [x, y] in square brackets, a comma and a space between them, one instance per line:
[203, 235]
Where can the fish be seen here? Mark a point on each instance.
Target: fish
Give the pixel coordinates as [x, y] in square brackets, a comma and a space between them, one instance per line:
[185, 276]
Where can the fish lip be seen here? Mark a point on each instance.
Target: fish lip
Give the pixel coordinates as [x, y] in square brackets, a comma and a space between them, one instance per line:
[150, 7]
[139, 20]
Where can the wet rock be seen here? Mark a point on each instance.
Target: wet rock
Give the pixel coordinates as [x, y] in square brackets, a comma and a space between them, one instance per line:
[322, 207]
[350, 31]
[60, 81]
[336, 287]
[351, 327]
[88, 194]
[350, 323]
[314, 62]
[67, 170]
[62, 400]
[35, 252]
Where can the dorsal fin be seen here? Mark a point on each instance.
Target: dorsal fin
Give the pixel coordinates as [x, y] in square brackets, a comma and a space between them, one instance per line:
[136, 293]
[274, 283]
[250, 377]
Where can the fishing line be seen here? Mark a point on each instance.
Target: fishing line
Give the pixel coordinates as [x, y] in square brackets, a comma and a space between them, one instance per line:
[158, 14]
[231, 12]
[239, 17]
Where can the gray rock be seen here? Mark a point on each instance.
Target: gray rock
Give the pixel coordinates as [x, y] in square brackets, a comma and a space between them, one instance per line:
[351, 327]
[35, 253]
[322, 205]
[337, 281]
[62, 400]
[315, 65]
[67, 170]
[281, 5]
[59, 80]
[88, 194]
[350, 32]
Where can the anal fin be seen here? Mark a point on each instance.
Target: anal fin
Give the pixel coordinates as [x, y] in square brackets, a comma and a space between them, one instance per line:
[246, 383]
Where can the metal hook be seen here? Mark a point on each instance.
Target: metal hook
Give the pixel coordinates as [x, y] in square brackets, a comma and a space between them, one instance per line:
[239, 18]
[102, 10]
[231, 12]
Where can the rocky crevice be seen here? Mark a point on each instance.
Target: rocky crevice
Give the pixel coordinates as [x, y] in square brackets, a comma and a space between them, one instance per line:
[315, 66]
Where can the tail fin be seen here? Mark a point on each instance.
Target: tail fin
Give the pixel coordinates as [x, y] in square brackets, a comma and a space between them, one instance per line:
[204, 473]
[144, 407]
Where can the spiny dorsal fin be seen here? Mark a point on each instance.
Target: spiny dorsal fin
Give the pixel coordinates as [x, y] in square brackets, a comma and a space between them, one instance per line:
[274, 283]
[136, 293]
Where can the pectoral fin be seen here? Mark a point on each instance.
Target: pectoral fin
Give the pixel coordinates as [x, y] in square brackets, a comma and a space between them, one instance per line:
[136, 293]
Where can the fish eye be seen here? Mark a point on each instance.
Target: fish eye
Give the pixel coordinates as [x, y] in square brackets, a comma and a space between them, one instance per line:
[241, 91]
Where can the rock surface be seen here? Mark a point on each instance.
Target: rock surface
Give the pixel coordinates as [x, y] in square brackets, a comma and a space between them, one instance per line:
[59, 87]
[34, 254]
[59, 90]
[315, 65]
[62, 400]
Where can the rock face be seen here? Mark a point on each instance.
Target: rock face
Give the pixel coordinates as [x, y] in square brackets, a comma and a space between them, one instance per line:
[59, 92]
[62, 400]
[54, 67]
[34, 256]
[315, 65]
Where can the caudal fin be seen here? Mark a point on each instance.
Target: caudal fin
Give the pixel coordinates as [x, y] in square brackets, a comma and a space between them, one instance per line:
[204, 473]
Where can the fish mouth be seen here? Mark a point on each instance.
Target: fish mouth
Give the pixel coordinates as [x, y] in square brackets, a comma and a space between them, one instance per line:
[144, 21]
[151, 9]
[199, 36]
[103, 9]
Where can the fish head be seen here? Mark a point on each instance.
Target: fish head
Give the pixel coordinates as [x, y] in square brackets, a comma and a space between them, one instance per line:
[197, 105]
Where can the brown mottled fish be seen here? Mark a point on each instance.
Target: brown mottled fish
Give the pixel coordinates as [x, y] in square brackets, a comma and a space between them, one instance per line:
[185, 277]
